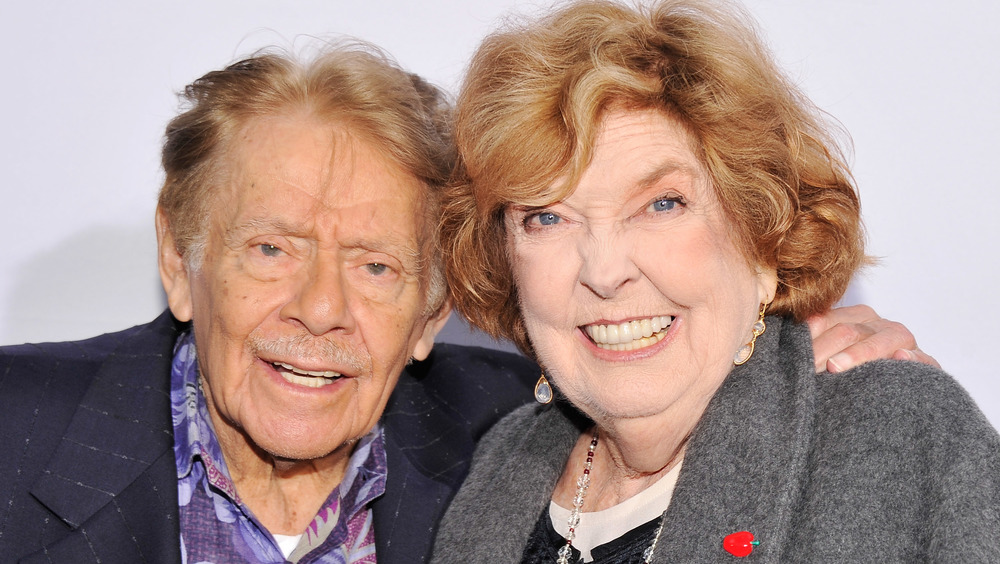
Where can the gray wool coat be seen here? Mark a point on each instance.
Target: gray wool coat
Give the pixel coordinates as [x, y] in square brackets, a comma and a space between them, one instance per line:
[888, 462]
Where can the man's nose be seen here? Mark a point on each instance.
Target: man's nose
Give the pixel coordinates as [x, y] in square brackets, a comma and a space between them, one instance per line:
[321, 303]
[606, 264]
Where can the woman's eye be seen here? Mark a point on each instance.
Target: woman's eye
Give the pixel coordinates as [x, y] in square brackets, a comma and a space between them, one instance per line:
[269, 250]
[663, 204]
[376, 268]
[543, 218]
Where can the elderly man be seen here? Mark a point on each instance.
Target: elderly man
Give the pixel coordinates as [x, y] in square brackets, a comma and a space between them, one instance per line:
[271, 416]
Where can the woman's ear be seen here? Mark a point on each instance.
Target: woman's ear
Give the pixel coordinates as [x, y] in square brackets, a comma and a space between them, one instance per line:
[173, 271]
[767, 283]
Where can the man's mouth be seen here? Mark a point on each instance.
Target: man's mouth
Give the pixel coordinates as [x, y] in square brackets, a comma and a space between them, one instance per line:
[308, 378]
[631, 335]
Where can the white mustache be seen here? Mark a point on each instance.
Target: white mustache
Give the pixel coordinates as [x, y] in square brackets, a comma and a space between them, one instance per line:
[315, 349]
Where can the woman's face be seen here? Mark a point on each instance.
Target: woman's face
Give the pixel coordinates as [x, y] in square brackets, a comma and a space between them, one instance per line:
[633, 292]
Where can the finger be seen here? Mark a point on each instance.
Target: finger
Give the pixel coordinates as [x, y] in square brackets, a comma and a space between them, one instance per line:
[819, 324]
[887, 338]
[916, 355]
[836, 339]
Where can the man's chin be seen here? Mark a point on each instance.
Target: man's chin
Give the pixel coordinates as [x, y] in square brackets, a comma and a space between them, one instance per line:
[291, 452]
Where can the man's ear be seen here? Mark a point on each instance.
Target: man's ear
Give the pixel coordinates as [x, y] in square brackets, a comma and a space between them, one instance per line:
[431, 329]
[173, 271]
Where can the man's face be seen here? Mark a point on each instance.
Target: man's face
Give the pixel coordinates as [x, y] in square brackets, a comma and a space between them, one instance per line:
[311, 296]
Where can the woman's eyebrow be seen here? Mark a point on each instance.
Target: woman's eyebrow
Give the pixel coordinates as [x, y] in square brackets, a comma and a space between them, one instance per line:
[665, 169]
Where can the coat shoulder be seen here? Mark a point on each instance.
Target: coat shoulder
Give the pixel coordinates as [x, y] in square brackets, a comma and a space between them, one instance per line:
[901, 395]
[52, 377]
[62, 397]
[22, 364]
[474, 384]
[901, 446]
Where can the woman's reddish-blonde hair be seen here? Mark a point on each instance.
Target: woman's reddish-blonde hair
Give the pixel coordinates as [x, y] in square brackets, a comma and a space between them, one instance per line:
[531, 107]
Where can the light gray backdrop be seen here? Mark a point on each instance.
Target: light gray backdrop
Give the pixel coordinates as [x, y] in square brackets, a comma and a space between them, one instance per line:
[88, 86]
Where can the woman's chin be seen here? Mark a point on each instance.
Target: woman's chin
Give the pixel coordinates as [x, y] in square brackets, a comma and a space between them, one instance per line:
[613, 407]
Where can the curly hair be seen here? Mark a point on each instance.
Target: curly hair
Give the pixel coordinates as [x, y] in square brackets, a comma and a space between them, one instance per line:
[352, 84]
[530, 110]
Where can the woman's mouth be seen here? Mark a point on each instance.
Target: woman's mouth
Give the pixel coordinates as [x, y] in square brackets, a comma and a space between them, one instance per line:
[308, 378]
[631, 335]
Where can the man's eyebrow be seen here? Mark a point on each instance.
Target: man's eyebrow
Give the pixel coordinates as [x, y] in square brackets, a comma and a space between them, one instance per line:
[238, 233]
[402, 249]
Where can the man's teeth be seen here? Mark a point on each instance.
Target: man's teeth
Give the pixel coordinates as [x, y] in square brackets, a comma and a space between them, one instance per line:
[630, 335]
[309, 378]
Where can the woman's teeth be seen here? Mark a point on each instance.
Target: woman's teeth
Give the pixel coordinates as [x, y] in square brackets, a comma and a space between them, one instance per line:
[308, 378]
[630, 335]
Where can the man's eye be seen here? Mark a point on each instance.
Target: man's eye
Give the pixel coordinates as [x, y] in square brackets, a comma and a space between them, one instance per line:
[269, 250]
[376, 268]
[543, 218]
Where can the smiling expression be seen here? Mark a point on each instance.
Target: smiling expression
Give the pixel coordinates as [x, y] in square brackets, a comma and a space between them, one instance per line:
[311, 296]
[633, 292]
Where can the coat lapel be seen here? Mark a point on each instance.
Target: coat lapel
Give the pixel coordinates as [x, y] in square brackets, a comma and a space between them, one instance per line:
[424, 472]
[440, 408]
[498, 506]
[112, 478]
[405, 516]
[744, 469]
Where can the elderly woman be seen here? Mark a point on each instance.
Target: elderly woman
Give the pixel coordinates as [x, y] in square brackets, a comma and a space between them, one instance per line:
[648, 208]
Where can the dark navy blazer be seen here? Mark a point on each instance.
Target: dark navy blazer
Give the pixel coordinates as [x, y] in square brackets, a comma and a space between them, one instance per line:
[88, 473]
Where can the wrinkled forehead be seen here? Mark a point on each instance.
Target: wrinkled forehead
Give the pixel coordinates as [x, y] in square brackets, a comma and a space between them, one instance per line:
[299, 158]
[319, 182]
[641, 144]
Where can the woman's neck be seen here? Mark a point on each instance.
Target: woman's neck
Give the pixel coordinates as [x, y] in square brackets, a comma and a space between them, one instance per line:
[629, 458]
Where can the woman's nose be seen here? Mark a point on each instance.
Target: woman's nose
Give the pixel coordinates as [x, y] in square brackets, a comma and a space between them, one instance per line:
[606, 265]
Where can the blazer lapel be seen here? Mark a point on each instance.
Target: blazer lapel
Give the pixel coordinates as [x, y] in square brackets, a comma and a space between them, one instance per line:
[747, 458]
[112, 479]
[424, 472]
[405, 516]
[440, 408]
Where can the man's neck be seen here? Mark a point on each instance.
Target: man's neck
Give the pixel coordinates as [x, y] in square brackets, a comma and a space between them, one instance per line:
[284, 495]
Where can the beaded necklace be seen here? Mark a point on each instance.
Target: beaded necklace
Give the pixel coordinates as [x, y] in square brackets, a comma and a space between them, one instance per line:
[582, 485]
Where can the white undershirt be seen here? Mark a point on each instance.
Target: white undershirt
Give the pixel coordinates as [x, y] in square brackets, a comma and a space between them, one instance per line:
[599, 527]
[286, 543]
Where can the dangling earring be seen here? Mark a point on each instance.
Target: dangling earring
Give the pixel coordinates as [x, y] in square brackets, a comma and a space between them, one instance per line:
[543, 391]
[746, 351]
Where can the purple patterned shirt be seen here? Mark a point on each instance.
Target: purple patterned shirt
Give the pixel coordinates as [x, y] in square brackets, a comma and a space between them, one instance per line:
[217, 528]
